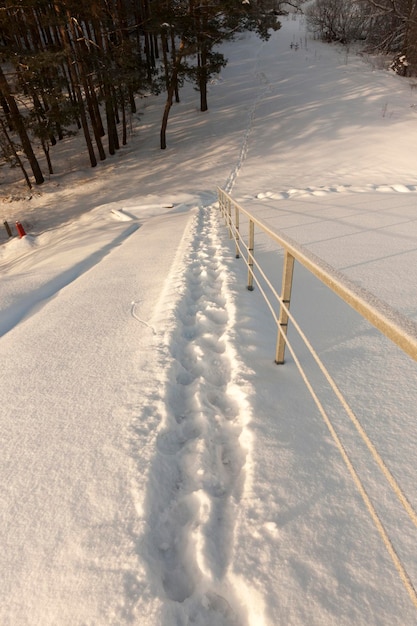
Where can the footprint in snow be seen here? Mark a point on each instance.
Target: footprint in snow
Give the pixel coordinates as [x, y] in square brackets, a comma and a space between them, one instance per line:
[200, 460]
[324, 191]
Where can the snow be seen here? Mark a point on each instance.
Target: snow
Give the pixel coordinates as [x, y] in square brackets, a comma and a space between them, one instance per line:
[157, 467]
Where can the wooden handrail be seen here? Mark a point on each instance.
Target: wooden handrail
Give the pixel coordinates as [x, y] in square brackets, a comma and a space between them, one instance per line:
[397, 327]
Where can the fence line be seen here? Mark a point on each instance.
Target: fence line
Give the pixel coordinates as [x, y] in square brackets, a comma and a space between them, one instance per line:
[395, 326]
[398, 328]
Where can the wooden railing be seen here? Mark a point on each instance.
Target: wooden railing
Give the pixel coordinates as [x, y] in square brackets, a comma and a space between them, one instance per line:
[390, 322]
[401, 330]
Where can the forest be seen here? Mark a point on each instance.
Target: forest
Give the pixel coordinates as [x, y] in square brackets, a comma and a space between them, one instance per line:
[383, 26]
[69, 67]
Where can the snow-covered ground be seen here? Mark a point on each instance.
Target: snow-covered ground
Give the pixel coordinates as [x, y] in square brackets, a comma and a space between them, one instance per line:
[157, 467]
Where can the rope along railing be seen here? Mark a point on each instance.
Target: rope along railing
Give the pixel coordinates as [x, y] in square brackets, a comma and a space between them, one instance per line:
[391, 323]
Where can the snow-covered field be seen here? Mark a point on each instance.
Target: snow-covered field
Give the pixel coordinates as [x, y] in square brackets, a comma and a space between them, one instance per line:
[157, 467]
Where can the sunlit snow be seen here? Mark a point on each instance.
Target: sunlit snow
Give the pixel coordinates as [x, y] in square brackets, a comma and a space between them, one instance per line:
[157, 468]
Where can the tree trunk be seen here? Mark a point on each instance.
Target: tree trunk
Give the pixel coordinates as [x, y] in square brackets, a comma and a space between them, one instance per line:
[76, 87]
[5, 107]
[411, 44]
[20, 128]
[113, 140]
[170, 95]
[165, 58]
[45, 147]
[16, 156]
[124, 127]
[89, 99]
[202, 78]
[173, 53]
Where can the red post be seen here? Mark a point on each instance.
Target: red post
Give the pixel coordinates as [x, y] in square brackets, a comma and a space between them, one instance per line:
[20, 230]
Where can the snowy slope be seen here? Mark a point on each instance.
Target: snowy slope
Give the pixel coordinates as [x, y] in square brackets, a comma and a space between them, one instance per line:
[157, 467]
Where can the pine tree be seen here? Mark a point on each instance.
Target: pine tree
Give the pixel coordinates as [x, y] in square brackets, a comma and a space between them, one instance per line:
[19, 126]
[200, 26]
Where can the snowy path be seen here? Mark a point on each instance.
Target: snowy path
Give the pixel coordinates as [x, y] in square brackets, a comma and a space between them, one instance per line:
[196, 478]
[198, 475]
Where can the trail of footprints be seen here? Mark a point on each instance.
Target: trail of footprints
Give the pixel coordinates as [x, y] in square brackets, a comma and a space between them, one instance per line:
[199, 447]
[324, 191]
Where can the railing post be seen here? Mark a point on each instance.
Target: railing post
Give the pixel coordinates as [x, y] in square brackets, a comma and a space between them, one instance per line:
[237, 231]
[225, 202]
[251, 248]
[221, 201]
[229, 218]
[287, 275]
